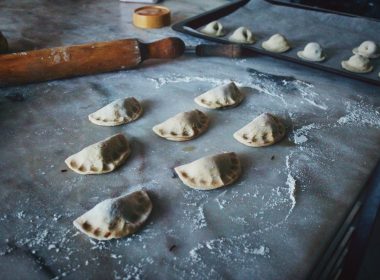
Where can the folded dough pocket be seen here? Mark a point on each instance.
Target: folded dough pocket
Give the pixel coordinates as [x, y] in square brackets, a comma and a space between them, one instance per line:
[214, 28]
[264, 130]
[117, 217]
[227, 95]
[276, 43]
[211, 172]
[183, 126]
[118, 112]
[101, 157]
[242, 35]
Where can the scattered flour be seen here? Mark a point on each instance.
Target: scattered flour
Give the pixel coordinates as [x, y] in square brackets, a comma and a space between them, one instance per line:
[309, 95]
[360, 114]
[291, 183]
[161, 81]
[300, 135]
[279, 86]
[199, 220]
[262, 251]
[47, 234]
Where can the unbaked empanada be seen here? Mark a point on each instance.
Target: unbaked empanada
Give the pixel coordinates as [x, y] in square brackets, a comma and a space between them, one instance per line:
[222, 96]
[264, 130]
[183, 126]
[101, 157]
[357, 64]
[242, 35]
[276, 43]
[210, 172]
[214, 28]
[312, 52]
[118, 112]
[367, 49]
[116, 217]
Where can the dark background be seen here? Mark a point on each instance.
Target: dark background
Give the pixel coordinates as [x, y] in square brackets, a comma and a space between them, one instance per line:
[369, 8]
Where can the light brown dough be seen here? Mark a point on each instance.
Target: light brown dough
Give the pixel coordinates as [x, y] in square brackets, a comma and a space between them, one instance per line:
[210, 172]
[101, 157]
[227, 95]
[183, 126]
[118, 112]
[264, 130]
[116, 217]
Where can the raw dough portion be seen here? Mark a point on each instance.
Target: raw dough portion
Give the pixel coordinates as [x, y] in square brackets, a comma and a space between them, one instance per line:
[312, 52]
[183, 126]
[277, 43]
[116, 217]
[120, 111]
[101, 157]
[242, 35]
[357, 64]
[367, 49]
[222, 96]
[210, 172]
[214, 28]
[264, 130]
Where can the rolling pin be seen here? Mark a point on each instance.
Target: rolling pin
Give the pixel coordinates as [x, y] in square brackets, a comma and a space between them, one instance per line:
[78, 60]
[64, 62]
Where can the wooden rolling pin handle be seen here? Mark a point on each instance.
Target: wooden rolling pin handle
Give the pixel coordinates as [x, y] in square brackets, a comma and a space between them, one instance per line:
[93, 58]
[167, 48]
[234, 51]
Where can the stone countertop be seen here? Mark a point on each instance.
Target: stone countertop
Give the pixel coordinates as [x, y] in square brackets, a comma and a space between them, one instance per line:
[273, 223]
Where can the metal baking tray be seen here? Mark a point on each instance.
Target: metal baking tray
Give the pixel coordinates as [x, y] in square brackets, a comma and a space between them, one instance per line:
[332, 64]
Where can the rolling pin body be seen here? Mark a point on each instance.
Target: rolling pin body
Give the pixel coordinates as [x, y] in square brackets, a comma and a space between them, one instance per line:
[79, 60]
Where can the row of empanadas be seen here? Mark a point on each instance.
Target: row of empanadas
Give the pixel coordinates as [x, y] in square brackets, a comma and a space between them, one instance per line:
[108, 154]
[360, 61]
[220, 170]
[189, 125]
[122, 216]
[277, 43]
[240, 35]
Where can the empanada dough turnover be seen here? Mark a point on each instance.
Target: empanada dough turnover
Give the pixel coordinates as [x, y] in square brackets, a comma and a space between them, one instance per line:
[264, 130]
[367, 49]
[276, 43]
[222, 96]
[214, 28]
[242, 35]
[312, 52]
[101, 157]
[210, 172]
[116, 217]
[183, 126]
[357, 64]
[118, 112]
